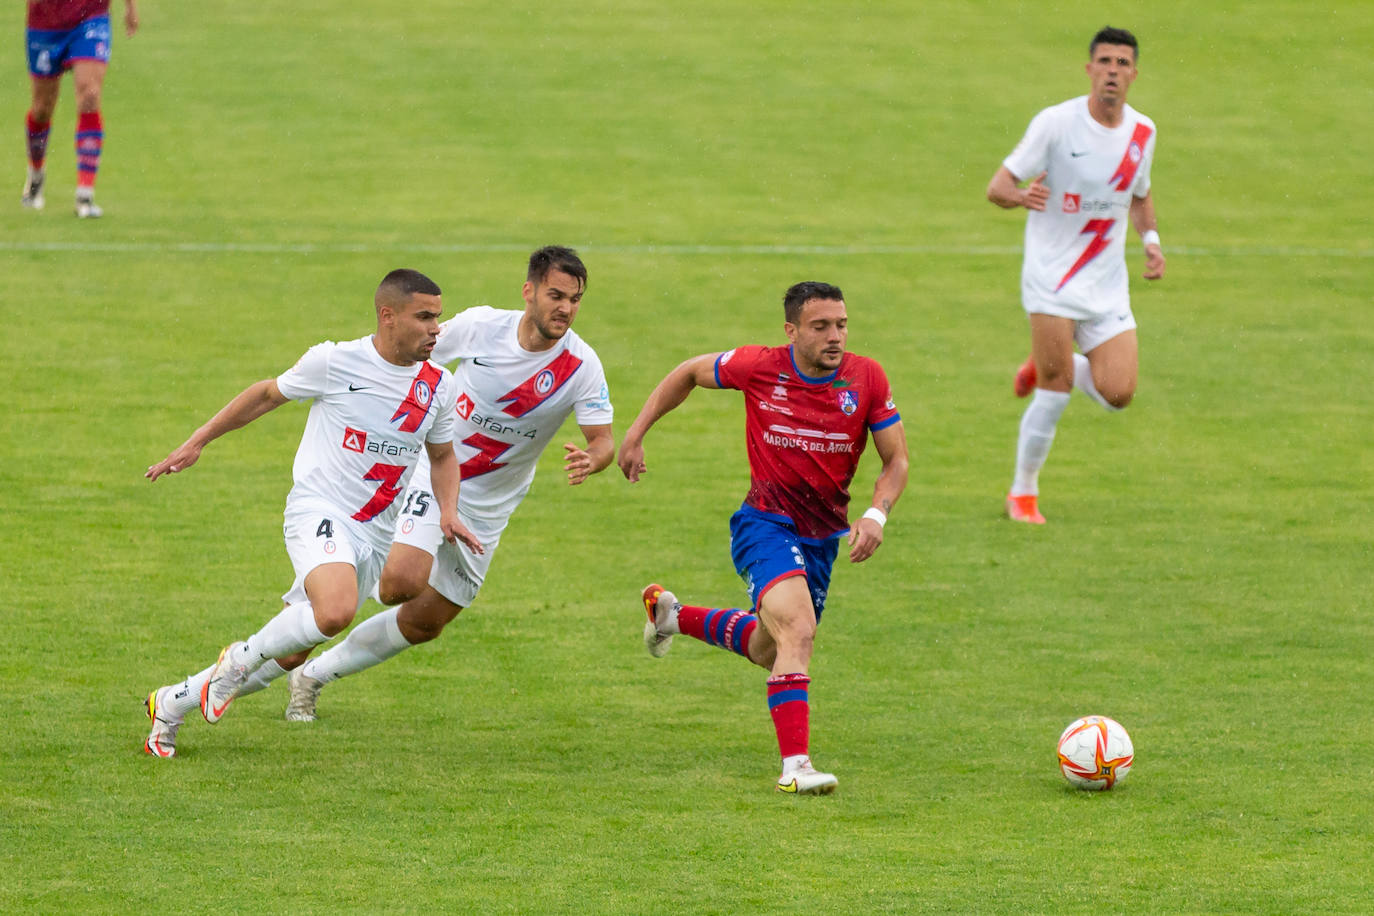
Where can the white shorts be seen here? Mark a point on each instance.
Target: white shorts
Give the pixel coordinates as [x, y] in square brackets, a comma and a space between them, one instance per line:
[1091, 332]
[457, 573]
[315, 537]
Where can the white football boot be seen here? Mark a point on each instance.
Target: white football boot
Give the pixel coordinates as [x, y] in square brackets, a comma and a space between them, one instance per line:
[804, 779]
[305, 693]
[662, 607]
[86, 207]
[162, 740]
[33, 189]
[226, 680]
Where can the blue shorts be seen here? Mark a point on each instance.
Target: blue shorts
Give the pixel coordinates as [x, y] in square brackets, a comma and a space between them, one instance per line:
[52, 51]
[767, 549]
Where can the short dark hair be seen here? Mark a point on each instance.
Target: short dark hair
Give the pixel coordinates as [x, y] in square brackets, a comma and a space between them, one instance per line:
[1111, 36]
[404, 283]
[799, 294]
[555, 257]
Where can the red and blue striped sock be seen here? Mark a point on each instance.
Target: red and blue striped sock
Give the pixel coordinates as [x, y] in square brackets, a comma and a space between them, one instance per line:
[38, 140]
[791, 712]
[90, 138]
[727, 628]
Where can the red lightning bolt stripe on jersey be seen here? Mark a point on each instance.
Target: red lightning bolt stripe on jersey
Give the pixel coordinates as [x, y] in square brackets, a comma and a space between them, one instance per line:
[1075, 263]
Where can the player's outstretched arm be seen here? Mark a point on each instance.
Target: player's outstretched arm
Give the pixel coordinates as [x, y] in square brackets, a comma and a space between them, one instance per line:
[697, 372]
[251, 403]
[581, 463]
[444, 475]
[866, 535]
[1145, 222]
[1005, 192]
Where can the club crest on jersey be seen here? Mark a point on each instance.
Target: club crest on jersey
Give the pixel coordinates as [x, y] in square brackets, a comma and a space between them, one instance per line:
[539, 387]
[465, 406]
[848, 403]
[355, 440]
[413, 409]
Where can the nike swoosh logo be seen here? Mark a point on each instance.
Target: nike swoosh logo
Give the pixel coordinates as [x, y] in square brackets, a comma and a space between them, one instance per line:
[352, 387]
[478, 362]
[788, 787]
[1077, 155]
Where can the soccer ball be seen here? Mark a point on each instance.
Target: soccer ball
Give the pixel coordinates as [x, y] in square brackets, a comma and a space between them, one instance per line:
[1095, 753]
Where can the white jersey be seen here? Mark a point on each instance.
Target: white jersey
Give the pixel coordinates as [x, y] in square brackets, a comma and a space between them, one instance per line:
[1075, 263]
[511, 403]
[367, 428]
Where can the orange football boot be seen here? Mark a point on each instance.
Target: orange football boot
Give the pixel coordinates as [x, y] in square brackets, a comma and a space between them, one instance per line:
[1025, 378]
[1023, 509]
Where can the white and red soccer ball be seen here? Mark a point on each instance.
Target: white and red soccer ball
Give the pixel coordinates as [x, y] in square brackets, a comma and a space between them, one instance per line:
[1095, 753]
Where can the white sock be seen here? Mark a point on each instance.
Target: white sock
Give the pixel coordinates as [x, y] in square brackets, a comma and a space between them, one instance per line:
[792, 764]
[1083, 381]
[370, 643]
[289, 632]
[184, 697]
[1037, 435]
[259, 679]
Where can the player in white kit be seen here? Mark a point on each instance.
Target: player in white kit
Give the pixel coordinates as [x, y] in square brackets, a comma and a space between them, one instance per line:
[1085, 164]
[520, 375]
[378, 404]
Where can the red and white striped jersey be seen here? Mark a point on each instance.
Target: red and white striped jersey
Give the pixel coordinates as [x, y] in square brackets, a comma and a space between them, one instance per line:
[367, 428]
[511, 403]
[1075, 259]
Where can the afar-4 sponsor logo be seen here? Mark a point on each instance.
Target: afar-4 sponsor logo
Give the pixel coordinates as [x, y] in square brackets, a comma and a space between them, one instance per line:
[357, 440]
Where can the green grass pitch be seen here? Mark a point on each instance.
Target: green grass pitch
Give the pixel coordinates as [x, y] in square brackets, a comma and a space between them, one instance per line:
[1205, 577]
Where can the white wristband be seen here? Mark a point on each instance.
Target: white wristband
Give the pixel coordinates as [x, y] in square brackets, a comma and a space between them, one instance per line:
[1149, 237]
[877, 515]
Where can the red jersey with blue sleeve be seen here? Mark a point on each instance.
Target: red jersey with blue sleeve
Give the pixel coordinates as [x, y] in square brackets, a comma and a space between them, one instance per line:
[805, 434]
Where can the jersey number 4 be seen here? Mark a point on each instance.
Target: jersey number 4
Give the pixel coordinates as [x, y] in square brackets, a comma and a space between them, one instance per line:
[387, 475]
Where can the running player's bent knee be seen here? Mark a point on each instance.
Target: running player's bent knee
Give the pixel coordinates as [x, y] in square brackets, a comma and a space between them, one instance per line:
[398, 588]
[418, 627]
[800, 638]
[418, 631]
[333, 619]
[1119, 399]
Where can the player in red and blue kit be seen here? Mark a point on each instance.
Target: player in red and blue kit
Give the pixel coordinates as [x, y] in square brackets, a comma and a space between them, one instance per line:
[69, 35]
[810, 408]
